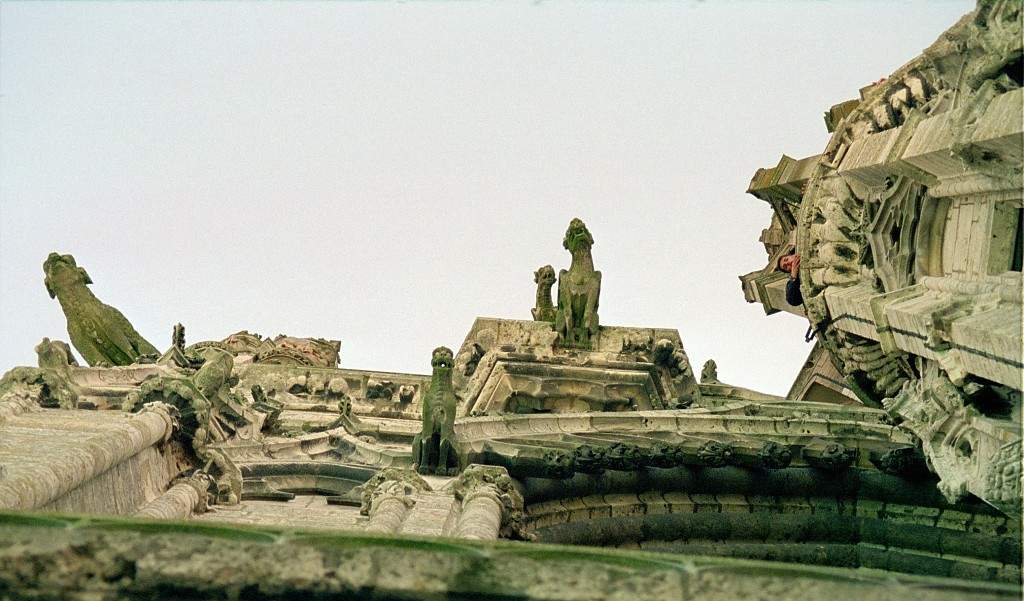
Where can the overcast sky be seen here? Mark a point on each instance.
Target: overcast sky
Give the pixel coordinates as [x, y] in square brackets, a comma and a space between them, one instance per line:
[382, 173]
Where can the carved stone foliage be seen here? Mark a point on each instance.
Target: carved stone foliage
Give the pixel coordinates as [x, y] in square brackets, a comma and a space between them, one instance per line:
[281, 350]
[288, 350]
[100, 332]
[210, 413]
[399, 483]
[493, 482]
[472, 359]
[970, 452]
[774, 455]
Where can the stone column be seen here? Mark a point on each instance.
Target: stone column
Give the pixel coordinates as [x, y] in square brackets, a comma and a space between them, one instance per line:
[59, 475]
[482, 512]
[388, 496]
[491, 505]
[181, 500]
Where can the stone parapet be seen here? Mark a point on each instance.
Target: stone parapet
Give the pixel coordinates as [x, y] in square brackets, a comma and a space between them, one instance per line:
[58, 475]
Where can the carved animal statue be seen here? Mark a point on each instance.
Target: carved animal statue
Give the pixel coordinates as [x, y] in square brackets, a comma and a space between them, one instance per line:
[543, 309]
[433, 449]
[579, 288]
[709, 374]
[100, 332]
[55, 354]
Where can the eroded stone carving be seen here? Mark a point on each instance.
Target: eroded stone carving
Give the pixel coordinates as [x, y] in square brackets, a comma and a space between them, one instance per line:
[579, 289]
[289, 350]
[100, 332]
[491, 505]
[543, 309]
[715, 454]
[210, 413]
[969, 451]
[379, 390]
[433, 449]
[774, 455]
[709, 373]
[476, 353]
[398, 483]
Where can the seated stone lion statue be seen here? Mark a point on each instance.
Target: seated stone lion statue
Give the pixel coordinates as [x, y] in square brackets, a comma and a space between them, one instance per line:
[433, 449]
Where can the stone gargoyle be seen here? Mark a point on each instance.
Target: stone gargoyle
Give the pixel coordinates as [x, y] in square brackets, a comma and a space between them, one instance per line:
[433, 449]
[100, 332]
[543, 309]
[579, 289]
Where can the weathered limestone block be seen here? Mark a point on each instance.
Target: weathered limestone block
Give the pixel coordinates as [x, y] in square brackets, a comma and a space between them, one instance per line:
[150, 426]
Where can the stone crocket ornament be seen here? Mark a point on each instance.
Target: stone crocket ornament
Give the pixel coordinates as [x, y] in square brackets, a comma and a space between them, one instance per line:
[579, 288]
[433, 449]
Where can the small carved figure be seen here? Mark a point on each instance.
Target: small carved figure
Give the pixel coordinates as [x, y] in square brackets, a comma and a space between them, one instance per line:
[476, 353]
[406, 394]
[543, 309]
[100, 332]
[375, 389]
[709, 373]
[668, 356]
[579, 289]
[55, 354]
[433, 449]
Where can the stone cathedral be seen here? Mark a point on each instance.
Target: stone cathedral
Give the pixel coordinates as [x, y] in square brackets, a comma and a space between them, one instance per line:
[561, 457]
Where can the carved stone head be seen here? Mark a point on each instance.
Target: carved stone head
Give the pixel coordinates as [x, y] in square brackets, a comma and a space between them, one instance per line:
[545, 276]
[577, 236]
[442, 357]
[62, 273]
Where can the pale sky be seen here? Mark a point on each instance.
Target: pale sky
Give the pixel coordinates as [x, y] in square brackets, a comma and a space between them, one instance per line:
[383, 173]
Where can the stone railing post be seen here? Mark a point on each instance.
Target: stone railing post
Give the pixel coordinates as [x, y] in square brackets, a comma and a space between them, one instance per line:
[388, 496]
[185, 497]
[53, 477]
[491, 505]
